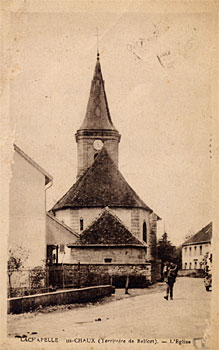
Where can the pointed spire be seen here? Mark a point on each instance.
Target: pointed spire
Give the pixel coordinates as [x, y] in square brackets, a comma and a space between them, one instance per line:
[97, 114]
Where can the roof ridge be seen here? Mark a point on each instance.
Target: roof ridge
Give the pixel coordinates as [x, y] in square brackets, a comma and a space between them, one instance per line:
[72, 187]
[133, 190]
[79, 181]
[104, 210]
[203, 230]
[117, 221]
[101, 185]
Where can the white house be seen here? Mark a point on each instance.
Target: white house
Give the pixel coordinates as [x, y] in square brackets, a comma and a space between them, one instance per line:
[196, 247]
[27, 210]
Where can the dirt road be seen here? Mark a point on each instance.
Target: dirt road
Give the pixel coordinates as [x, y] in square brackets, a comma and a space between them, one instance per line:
[142, 316]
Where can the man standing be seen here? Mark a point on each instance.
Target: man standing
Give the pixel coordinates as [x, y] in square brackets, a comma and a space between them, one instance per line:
[170, 272]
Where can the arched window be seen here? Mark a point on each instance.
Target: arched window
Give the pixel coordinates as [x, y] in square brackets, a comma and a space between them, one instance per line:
[144, 232]
[200, 247]
[81, 224]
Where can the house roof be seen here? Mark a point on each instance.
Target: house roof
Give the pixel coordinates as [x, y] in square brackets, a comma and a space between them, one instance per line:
[100, 186]
[204, 235]
[57, 232]
[107, 230]
[48, 178]
[97, 114]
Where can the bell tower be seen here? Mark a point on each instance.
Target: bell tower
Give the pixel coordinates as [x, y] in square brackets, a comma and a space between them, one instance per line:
[97, 130]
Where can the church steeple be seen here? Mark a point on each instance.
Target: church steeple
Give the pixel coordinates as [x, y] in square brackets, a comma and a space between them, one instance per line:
[97, 114]
[97, 128]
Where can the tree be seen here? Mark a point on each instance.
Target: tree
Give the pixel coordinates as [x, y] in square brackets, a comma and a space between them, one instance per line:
[166, 251]
[16, 258]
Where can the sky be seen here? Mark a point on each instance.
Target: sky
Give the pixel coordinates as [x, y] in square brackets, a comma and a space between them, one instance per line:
[158, 78]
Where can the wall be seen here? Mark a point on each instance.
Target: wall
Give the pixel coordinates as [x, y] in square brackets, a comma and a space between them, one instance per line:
[88, 274]
[27, 211]
[152, 240]
[86, 151]
[191, 273]
[195, 256]
[71, 217]
[117, 254]
[27, 303]
[132, 218]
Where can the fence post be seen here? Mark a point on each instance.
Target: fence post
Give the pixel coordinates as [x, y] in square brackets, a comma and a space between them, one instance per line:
[79, 274]
[29, 281]
[63, 277]
[111, 280]
[127, 285]
[47, 278]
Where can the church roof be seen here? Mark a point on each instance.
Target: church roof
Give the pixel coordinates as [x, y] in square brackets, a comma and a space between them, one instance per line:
[97, 114]
[101, 185]
[107, 230]
[204, 235]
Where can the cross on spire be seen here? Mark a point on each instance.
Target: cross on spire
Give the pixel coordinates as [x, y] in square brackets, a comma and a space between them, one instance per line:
[97, 35]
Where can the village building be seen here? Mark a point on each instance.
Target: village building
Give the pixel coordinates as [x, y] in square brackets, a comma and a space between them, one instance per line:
[102, 196]
[27, 209]
[36, 239]
[196, 247]
[58, 236]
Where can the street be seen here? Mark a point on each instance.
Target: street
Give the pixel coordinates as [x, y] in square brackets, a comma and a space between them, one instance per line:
[142, 316]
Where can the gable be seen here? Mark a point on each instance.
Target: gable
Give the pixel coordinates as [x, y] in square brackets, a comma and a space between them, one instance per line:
[107, 230]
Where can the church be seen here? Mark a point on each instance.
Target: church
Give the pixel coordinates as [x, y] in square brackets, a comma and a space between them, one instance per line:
[115, 227]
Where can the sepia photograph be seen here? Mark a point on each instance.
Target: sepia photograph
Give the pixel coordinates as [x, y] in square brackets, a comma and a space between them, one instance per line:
[111, 132]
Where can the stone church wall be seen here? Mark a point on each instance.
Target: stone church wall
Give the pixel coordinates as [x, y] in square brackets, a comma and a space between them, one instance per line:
[152, 243]
[133, 219]
[86, 152]
[98, 255]
[72, 217]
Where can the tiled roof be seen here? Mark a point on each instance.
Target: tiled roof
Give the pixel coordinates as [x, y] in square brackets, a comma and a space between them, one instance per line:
[97, 114]
[101, 185]
[106, 230]
[204, 235]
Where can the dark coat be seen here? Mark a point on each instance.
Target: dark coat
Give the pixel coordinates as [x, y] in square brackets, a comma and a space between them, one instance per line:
[171, 274]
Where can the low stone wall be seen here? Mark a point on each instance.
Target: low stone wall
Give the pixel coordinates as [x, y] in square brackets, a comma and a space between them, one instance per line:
[191, 273]
[82, 275]
[32, 302]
